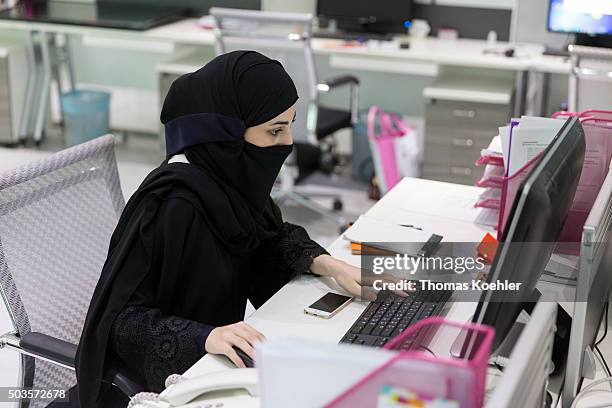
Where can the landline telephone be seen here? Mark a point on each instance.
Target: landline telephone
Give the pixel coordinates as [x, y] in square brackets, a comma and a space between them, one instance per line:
[222, 386]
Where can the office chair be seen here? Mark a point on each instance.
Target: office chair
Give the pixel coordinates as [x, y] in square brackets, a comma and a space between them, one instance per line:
[591, 71]
[56, 218]
[287, 38]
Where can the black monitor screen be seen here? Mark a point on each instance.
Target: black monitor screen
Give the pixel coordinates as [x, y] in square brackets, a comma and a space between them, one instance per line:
[379, 16]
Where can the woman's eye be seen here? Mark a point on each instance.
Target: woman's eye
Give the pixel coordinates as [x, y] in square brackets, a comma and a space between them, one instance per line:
[276, 132]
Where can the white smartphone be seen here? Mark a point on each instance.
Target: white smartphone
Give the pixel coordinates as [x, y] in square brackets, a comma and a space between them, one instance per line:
[328, 305]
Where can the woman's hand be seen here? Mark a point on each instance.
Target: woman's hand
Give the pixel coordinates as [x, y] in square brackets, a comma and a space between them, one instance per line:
[350, 277]
[222, 340]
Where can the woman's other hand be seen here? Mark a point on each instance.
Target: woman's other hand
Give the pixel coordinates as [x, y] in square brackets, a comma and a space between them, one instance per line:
[222, 340]
[350, 278]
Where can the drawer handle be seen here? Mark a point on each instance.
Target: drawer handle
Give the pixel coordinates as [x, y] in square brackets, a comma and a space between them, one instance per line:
[464, 113]
[461, 171]
[463, 142]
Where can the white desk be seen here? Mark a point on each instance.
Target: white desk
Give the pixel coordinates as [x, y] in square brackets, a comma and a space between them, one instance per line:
[283, 316]
[441, 207]
[460, 52]
[424, 57]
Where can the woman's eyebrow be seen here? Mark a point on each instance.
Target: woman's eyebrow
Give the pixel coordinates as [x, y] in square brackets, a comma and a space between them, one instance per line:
[284, 122]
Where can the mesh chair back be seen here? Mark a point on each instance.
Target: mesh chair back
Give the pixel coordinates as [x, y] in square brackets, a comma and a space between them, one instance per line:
[56, 219]
[281, 36]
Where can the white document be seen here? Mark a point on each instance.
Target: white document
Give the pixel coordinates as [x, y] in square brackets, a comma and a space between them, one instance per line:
[529, 138]
[494, 148]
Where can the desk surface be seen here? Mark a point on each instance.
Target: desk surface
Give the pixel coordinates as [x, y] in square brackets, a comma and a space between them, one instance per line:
[460, 52]
[442, 207]
[283, 316]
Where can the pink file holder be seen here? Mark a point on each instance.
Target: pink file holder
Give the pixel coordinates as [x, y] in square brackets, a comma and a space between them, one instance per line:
[510, 187]
[490, 182]
[429, 368]
[598, 139]
[492, 160]
[491, 203]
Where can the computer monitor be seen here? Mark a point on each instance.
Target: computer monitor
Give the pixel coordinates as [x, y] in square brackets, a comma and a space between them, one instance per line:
[367, 16]
[593, 17]
[537, 216]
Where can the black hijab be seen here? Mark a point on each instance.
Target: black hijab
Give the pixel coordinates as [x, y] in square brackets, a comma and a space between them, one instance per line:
[228, 184]
[207, 112]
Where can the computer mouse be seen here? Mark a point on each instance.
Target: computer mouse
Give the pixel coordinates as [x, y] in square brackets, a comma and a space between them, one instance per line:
[248, 361]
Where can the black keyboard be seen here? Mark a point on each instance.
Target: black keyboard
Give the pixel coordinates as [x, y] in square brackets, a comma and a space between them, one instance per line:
[391, 314]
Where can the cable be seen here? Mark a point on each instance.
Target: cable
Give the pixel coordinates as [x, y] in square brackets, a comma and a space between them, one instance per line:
[605, 324]
[603, 361]
[589, 390]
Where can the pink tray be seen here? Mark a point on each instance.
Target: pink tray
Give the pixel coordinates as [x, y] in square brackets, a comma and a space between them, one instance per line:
[428, 367]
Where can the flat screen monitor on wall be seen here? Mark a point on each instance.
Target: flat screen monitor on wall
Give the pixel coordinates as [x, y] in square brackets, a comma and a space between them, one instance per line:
[592, 17]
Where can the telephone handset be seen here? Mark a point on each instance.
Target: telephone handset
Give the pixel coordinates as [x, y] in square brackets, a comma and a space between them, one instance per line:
[186, 391]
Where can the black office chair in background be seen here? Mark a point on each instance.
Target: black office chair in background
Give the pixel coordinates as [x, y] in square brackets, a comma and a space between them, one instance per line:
[286, 37]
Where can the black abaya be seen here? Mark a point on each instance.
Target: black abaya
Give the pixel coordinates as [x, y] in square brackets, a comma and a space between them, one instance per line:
[169, 280]
[197, 239]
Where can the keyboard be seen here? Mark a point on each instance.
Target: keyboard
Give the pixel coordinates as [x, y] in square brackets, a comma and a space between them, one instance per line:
[391, 314]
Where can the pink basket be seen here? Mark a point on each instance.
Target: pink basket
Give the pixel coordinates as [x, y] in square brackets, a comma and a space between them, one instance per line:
[445, 360]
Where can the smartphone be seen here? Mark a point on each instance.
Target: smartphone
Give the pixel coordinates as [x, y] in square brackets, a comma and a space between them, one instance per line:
[328, 305]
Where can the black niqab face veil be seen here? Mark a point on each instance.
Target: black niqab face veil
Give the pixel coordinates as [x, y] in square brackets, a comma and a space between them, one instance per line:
[207, 112]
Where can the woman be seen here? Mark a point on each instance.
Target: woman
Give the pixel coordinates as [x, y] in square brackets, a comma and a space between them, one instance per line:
[201, 235]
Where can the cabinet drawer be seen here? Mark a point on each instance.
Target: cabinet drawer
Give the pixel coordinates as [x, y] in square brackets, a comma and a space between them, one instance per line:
[461, 114]
[455, 147]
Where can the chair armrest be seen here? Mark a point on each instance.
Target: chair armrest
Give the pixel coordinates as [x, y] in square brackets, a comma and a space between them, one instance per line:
[338, 81]
[49, 347]
[125, 382]
[63, 352]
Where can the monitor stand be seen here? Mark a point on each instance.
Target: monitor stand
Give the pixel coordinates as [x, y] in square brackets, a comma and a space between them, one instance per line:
[561, 341]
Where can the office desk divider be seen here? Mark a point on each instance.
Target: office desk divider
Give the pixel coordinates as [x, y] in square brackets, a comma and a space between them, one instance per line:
[445, 360]
[598, 137]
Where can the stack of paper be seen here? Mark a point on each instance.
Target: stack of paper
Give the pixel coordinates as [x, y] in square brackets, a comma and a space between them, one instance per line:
[525, 138]
[515, 145]
[385, 236]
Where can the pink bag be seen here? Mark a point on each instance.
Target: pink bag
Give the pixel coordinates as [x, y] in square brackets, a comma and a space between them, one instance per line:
[384, 145]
